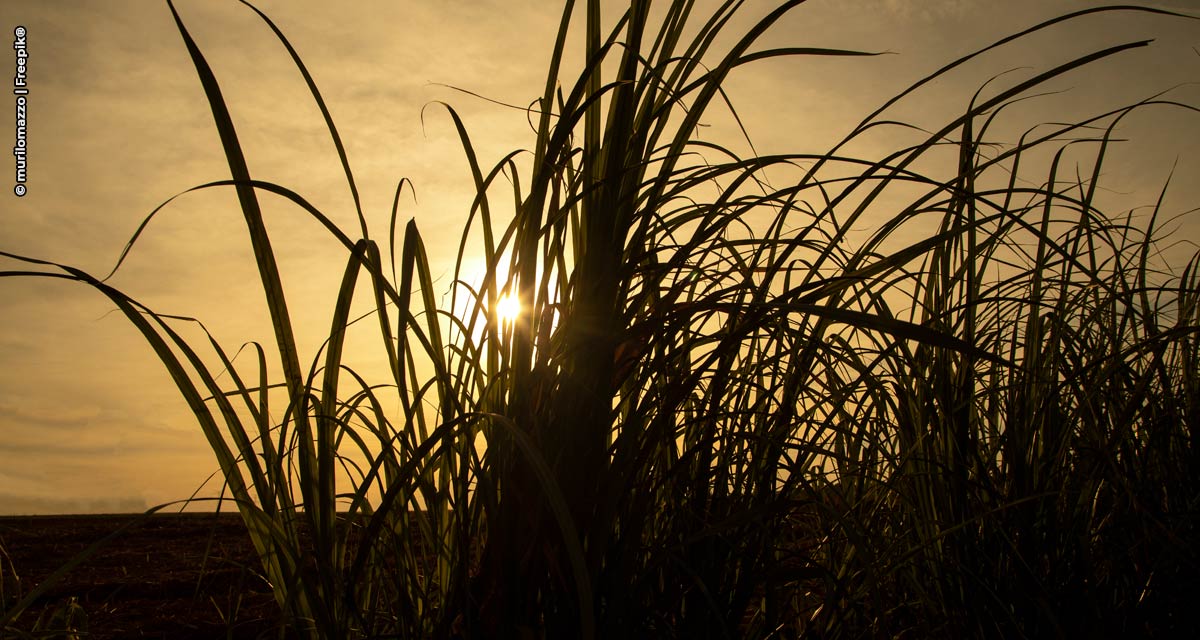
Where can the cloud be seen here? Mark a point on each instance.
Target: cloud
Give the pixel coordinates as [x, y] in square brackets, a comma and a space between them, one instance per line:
[1187, 6]
[30, 505]
[930, 11]
[52, 417]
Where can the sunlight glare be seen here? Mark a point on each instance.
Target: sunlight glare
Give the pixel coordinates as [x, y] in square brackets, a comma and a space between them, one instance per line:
[507, 309]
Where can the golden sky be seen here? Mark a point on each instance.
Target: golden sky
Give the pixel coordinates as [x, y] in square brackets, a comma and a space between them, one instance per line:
[118, 123]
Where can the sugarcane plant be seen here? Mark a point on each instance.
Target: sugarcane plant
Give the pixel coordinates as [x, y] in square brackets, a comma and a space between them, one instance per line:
[719, 412]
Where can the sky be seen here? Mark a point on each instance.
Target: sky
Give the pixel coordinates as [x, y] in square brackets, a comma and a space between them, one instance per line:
[118, 124]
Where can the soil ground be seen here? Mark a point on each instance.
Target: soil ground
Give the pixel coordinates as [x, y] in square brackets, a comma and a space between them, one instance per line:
[177, 576]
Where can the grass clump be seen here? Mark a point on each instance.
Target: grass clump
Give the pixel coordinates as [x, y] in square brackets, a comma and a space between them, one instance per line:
[717, 415]
[65, 620]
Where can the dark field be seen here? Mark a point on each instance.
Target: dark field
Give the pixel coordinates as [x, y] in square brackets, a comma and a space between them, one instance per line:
[170, 576]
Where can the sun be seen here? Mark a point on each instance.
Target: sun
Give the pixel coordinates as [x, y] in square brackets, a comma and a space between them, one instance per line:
[507, 309]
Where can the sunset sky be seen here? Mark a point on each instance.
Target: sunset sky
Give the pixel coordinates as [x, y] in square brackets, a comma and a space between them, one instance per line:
[118, 123]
